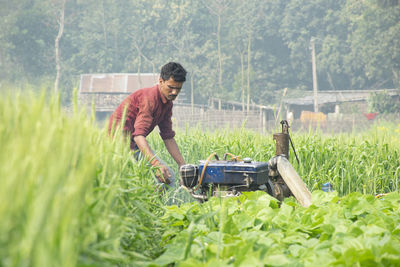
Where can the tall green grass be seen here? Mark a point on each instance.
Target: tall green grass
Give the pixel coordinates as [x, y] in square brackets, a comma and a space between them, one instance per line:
[69, 194]
[366, 162]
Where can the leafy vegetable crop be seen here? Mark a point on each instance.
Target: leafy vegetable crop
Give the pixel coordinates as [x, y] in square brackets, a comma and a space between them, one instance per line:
[252, 230]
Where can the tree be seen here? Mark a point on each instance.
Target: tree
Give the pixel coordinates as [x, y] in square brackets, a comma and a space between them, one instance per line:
[375, 43]
[383, 103]
[238, 39]
[57, 44]
[28, 38]
[232, 49]
[320, 19]
[185, 44]
[218, 9]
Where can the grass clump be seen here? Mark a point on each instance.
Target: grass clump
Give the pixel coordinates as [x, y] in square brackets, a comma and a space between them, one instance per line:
[366, 162]
[68, 193]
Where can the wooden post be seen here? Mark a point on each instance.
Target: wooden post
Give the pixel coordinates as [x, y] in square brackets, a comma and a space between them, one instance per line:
[314, 72]
[278, 116]
[264, 113]
[294, 182]
[192, 92]
[56, 46]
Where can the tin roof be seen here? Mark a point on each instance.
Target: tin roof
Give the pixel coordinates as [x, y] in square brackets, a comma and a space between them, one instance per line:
[116, 82]
[325, 97]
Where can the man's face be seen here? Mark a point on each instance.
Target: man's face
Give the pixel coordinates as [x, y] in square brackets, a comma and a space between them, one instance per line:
[170, 89]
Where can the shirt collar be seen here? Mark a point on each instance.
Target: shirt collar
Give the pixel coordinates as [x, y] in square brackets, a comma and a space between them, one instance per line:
[163, 99]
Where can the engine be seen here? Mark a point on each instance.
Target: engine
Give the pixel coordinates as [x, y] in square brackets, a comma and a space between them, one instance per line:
[231, 177]
[227, 178]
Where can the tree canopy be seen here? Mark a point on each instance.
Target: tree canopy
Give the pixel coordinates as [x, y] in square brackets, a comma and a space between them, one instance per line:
[245, 51]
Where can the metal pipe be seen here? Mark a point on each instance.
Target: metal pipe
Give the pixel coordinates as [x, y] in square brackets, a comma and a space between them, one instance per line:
[282, 144]
[293, 181]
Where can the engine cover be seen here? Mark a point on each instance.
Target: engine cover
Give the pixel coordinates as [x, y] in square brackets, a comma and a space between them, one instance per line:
[224, 172]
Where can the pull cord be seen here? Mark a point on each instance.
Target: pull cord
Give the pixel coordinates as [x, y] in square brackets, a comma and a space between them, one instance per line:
[285, 129]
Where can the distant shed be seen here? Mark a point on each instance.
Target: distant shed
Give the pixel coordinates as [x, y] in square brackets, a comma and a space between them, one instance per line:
[107, 90]
[327, 100]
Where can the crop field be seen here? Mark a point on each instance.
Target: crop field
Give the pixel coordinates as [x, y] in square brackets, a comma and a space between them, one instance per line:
[72, 196]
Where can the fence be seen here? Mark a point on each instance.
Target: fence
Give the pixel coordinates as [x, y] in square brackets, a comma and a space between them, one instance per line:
[258, 118]
[212, 119]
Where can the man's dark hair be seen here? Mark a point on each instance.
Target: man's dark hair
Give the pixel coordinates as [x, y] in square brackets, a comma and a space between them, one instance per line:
[174, 70]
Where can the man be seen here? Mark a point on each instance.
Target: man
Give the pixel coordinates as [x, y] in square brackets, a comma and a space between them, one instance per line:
[150, 107]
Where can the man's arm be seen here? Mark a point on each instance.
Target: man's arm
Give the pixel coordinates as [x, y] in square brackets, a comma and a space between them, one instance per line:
[173, 149]
[144, 147]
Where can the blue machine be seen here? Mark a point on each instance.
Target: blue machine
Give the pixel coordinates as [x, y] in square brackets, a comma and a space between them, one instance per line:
[230, 177]
[234, 173]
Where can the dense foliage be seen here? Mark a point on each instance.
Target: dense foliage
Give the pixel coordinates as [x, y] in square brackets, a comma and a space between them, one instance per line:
[68, 193]
[367, 162]
[252, 230]
[383, 103]
[231, 48]
[71, 195]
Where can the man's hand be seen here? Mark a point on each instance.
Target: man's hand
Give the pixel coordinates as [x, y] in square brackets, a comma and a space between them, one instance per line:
[173, 149]
[163, 174]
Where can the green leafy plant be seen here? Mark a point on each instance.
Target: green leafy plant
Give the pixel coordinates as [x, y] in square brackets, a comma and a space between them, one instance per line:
[252, 230]
[383, 103]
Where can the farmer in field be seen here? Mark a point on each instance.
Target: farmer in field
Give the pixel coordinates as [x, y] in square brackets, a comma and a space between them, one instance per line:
[150, 107]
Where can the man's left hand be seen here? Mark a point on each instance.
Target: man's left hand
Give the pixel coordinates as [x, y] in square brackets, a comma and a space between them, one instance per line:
[163, 174]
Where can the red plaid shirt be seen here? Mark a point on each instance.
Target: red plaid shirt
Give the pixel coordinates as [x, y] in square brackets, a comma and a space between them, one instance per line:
[145, 109]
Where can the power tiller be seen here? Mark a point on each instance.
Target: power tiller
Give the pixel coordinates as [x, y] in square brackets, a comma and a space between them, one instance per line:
[233, 175]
